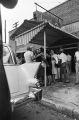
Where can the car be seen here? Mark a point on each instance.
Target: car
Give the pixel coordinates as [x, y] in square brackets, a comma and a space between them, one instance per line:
[21, 77]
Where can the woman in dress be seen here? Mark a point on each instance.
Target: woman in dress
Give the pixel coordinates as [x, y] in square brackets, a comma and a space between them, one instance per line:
[54, 60]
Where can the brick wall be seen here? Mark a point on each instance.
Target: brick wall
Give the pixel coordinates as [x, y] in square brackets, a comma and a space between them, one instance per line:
[68, 11]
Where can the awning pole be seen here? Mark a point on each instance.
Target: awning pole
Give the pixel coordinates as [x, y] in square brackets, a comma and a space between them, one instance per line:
[45, 80]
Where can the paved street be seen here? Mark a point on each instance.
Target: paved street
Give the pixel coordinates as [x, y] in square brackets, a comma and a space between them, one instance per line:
[63, 97]
[57, 98]
[36, 111]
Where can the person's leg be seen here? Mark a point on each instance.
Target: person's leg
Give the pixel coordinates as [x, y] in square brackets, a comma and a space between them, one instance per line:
[49, 79]
[58, 73]
[64, 70]
[76, 67]
[69, 67]
[65, 74]
[61, 73]
[77, 73]
[54, 78]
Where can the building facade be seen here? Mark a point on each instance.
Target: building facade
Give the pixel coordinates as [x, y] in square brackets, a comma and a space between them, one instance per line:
[20, 38]
[67, 20]
[68, 12]
[12, 42]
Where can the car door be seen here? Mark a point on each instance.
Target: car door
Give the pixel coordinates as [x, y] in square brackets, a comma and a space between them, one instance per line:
[11, 71]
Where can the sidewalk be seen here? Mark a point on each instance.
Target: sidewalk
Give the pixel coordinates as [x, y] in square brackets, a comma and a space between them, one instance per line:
[63, 97]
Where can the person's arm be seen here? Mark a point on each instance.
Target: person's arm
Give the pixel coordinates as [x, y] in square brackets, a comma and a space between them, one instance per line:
[34, 57]
[38, 55]
[75, 58]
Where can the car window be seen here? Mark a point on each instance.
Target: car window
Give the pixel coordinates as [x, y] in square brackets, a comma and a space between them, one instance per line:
[7, 58]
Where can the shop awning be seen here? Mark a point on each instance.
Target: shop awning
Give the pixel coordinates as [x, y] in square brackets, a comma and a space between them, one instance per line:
[22, 49]
[54, 36]
[48, 35]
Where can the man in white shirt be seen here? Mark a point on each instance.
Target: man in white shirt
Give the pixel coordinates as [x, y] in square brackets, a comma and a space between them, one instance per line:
[77, 66]
[28, 55]
[54, 60]
[63, 73]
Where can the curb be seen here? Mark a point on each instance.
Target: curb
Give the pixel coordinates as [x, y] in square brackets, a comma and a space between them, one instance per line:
[61, 107]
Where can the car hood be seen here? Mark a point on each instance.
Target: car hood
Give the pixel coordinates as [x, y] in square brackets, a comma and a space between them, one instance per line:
[30, 69]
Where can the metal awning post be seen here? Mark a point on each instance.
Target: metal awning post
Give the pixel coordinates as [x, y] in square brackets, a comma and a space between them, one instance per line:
[45, 80]
[1, 42]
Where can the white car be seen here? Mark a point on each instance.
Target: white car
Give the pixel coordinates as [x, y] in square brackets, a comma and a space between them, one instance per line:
[21, 78]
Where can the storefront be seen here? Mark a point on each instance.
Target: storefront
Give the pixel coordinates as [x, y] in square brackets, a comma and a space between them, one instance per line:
[54, 38]
[50, 36]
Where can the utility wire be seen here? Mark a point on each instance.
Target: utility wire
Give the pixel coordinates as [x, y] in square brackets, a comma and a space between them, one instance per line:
[48, 11]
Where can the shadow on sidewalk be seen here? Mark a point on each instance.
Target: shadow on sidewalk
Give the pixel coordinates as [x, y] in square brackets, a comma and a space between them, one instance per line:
[63, 97]
[65, 92]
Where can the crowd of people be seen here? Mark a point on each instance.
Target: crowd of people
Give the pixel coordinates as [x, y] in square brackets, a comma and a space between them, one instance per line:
[58, 64]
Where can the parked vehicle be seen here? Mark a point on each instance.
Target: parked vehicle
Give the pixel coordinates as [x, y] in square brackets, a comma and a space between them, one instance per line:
[21, 78]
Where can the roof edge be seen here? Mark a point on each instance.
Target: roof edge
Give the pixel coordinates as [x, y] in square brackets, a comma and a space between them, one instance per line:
[59, 5]
[30, 29]
[63, 31]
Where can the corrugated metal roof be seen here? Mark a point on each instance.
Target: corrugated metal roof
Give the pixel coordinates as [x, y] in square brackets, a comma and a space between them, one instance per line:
[23, 49]
[25, 26]
[54, 36]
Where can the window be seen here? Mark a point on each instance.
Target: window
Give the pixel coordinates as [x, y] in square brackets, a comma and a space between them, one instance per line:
[7, 58]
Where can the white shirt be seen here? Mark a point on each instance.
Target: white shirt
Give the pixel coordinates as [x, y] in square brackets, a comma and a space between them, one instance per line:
[55, 56]
[28, 56]
[63, 57]
[77, 55]
[68, 57]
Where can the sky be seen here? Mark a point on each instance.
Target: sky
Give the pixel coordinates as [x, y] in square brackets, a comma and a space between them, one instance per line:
[24, 10]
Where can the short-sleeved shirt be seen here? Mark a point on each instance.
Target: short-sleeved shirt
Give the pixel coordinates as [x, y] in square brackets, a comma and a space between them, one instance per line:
[28, 55]
[77, 55]
[63, 57]
[69, 58]
[55, 56]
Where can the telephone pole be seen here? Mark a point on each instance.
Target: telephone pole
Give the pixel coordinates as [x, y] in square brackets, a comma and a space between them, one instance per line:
[5, 31]
[15, 25]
